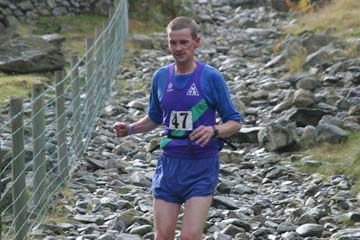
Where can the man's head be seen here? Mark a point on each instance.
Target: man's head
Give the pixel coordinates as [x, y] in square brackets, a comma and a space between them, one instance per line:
[180, 23]
[183, 40]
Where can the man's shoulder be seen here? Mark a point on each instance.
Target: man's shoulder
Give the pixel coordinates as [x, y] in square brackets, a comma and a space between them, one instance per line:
[160, 71]
[211, 71]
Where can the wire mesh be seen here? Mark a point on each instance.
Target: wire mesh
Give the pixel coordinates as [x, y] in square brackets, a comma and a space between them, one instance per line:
[84, 96]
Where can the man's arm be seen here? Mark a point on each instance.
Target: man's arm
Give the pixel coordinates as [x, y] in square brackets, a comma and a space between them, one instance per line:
[228, 128]
[143, 125]
[203, 134]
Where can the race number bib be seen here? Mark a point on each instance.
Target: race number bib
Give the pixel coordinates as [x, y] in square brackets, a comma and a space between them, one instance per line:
[181, 120]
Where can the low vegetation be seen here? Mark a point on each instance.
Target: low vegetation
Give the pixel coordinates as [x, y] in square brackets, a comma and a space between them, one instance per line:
[19, 85]
[145, 17]
[342, 158]
[339, 18]
[75, 29]
[55, 212]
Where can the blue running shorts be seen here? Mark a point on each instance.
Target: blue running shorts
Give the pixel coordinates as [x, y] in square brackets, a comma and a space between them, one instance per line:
[177, 180]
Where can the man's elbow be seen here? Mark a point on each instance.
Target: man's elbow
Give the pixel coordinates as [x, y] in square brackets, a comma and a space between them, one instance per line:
[237, 126]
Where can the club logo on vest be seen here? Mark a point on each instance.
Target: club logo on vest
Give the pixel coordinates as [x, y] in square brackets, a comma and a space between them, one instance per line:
[170, 87]
[192, 91]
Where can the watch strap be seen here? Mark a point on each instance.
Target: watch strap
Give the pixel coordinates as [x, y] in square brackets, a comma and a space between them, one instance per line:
[216, 131]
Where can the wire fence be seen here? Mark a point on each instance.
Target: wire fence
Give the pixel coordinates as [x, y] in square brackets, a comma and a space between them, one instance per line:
[47, 135]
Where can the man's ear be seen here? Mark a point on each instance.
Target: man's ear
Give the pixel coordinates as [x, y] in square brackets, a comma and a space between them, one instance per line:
[197, 41]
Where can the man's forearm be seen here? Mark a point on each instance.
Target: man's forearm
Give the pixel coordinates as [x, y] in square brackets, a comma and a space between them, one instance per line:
[228, 128]
[144, 125]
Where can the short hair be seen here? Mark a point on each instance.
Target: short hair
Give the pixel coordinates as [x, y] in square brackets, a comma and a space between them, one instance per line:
[180, 23]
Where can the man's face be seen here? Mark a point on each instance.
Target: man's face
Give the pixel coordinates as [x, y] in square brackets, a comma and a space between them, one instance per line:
[182, 46]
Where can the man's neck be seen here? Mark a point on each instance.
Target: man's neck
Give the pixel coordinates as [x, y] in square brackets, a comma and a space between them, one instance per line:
[184, 69]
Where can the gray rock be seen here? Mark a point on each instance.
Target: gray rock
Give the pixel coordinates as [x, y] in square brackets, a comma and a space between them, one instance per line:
[30, 54]
[319, 57]
[277, 136]
[351, 233]
[310, 230]
[286, 227]
[306, 116]
[330, 133]
[141, 230]
[303, 98]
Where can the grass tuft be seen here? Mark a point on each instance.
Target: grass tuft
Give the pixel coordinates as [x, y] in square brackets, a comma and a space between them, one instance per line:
[342, 158]
[74, 28]
[19, 85]
[340, 18]
[296, 61]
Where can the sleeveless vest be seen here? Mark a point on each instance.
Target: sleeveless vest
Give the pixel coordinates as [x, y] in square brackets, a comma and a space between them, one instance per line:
[179, 105]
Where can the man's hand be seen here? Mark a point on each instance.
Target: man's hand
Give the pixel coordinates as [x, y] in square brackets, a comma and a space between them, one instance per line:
[121, 129]
[202, 135]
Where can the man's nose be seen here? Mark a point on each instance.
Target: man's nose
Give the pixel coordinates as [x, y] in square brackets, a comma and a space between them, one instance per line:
[178, 47]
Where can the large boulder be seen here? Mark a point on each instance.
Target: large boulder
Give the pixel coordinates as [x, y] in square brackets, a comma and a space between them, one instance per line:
[278, 136]
[8, 26]
[30, 54]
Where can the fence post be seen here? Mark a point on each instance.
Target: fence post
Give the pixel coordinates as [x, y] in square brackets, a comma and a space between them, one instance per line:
[63, 165]
[75, 96]
[106, 74]
[110, 42]
[38, 133]
[89, 80]
[100, 78]
[1, 189]
[18, 168]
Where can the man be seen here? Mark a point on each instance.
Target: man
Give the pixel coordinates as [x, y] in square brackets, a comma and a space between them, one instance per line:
[185, 97]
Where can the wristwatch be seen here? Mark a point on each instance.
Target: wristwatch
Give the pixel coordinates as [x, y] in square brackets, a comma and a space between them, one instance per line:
[216, 131]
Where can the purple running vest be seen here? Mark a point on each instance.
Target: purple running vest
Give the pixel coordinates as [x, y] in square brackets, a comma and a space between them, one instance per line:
[188, 98]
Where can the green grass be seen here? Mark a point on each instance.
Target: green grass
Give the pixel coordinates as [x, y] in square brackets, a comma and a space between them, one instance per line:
[74, 28]
[340, 18]
[343, 158]
[19, 85]
[55, 214]
[296, 61]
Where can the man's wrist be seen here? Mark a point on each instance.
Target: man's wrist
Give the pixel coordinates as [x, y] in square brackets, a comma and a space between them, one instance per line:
[216, 131]
[131, 129]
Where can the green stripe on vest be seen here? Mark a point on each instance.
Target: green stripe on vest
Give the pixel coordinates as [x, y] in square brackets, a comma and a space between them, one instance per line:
[197, 111]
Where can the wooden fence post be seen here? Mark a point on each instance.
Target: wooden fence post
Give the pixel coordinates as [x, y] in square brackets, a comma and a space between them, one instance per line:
[75, 96]
[1, 188]
[90, 88]
[106, 61]
[110, 42]
[63, 165]
[18, 168]
[100, 67]
[38, 133]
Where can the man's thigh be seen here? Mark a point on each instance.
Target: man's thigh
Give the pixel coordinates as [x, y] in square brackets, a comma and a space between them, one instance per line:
[165, 218]
[195, 215]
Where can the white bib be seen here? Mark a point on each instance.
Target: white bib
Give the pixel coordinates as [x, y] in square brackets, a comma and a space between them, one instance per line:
[181, 120]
